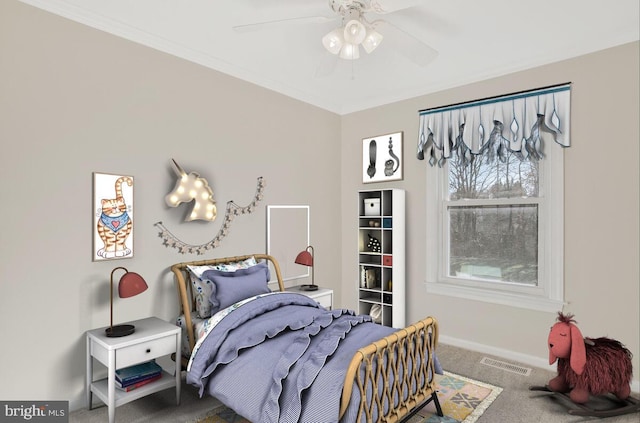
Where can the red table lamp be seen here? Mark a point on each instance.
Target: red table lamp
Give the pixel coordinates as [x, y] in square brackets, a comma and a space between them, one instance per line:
[305, 258]
[131, 284]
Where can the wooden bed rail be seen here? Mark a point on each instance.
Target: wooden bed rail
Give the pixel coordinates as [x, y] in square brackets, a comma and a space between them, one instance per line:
[187, 299]
[404, 381]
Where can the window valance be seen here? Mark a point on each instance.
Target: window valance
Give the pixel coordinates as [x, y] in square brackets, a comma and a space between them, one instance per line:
[492, 127]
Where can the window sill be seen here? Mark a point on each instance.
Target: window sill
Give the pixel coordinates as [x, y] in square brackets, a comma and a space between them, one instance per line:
[495, 297]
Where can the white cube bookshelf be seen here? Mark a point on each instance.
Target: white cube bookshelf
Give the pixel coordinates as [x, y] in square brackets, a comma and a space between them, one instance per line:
[381, 275]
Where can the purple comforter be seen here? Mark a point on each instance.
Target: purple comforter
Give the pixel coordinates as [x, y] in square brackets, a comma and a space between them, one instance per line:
[294, 370]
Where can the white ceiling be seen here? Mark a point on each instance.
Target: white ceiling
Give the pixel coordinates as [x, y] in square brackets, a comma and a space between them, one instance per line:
[475, 39]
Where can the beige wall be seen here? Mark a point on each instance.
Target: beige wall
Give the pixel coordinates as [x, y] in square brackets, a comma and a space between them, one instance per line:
[601, 209]
[75, 101]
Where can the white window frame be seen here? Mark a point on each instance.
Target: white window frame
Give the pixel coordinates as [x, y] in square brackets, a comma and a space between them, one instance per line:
[548, 295]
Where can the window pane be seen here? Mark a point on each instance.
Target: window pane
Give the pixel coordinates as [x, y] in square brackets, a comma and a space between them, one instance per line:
[493, 179]
[497, 243]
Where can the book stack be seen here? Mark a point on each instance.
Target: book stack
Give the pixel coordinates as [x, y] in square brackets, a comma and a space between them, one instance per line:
[130, 378]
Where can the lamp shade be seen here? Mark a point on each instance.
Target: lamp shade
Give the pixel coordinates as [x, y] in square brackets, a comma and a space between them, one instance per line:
[350, 51]
[333, 41]
[305, 258]
[372, 40]
[354, 32]
[131, 284]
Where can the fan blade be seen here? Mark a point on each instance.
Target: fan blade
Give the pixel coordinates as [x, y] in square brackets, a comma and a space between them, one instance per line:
[408, 45]
[389, 6]
[256, 26]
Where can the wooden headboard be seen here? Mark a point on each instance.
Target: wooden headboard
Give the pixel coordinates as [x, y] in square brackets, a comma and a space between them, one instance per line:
[185, 288]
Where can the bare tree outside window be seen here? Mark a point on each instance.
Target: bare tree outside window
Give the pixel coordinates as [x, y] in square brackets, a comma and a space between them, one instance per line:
[481, 178]
[493, 219]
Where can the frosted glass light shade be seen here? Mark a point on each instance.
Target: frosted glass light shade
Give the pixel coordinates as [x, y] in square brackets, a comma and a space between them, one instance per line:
[333, 41]
[350, 51]
[372, 40]
[354, 32]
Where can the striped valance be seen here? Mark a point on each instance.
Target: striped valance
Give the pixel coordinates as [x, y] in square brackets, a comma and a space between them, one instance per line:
[494, 126]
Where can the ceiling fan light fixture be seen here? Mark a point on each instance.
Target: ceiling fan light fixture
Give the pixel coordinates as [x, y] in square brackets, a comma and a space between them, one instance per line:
[333, 41]
[350, 51]
[354, 32]
[372, 40]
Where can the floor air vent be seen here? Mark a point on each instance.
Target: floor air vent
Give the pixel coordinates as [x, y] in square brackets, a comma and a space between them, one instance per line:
[509, 367]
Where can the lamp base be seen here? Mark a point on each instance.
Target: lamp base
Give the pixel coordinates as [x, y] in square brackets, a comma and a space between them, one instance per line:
[120, 330]
[309, 287]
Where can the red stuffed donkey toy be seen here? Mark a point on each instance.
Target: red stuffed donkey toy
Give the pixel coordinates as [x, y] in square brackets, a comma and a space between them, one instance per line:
[587, 366]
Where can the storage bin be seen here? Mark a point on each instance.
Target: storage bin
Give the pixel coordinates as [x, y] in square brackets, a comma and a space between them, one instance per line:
[372, 207]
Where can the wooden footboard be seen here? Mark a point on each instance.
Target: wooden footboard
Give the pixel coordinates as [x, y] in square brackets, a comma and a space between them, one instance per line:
[404, 381]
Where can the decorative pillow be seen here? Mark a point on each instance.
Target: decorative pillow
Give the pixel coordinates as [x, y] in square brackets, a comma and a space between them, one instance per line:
[197, 324]
[231, 287]
[202, 288]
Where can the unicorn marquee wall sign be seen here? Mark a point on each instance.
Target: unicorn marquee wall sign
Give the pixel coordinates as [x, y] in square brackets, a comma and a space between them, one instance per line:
[190, 187]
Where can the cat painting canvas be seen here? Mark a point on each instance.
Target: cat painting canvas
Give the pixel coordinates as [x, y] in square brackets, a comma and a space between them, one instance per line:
[113, 216]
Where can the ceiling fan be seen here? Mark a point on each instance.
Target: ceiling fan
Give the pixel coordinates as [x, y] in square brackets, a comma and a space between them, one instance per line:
[361, 26]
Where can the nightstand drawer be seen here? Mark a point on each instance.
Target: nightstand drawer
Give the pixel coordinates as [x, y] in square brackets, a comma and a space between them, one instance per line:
[146, 351]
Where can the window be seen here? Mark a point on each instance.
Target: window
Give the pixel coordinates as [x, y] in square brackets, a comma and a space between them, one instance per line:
[495, 229]
[495, 197]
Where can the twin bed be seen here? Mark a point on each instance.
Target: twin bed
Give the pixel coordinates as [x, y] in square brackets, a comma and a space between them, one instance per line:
[281, 357]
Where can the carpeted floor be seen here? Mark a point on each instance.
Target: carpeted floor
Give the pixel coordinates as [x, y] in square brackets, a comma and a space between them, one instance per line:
[462, 399]
[516, 403]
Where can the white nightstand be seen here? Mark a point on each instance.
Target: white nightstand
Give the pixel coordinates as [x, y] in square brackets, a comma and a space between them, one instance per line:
[153, 338]
[323, 296]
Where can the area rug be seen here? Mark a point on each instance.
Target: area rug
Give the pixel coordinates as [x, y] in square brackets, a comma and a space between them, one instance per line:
[463, 400]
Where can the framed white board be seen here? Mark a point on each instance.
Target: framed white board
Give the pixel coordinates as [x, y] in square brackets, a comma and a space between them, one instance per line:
[287, 235]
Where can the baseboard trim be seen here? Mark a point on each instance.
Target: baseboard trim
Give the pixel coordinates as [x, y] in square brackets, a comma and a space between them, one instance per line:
[541, 363]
